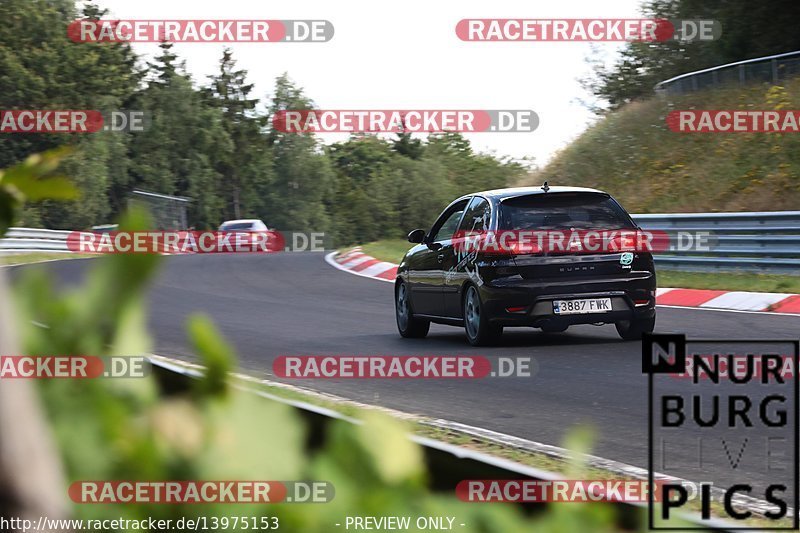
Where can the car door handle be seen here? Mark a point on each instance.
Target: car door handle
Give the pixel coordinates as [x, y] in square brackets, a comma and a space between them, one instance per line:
[440, 257]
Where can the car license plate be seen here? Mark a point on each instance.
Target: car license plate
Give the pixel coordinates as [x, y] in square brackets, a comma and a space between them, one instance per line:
[588, 305]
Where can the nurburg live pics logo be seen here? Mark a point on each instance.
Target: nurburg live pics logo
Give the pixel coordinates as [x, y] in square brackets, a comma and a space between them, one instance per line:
[743, 426]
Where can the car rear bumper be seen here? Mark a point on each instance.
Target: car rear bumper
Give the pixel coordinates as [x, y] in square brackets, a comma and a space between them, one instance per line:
[632, 297]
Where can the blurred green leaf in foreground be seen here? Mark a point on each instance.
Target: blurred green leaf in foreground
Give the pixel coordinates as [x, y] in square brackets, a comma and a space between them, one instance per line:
[137, 429]
[32, 180]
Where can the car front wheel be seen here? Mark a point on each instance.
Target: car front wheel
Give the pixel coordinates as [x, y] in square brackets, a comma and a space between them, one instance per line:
[479, 331]
[408, 326]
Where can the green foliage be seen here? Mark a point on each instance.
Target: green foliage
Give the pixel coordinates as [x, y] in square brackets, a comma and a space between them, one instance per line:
[749, 30]
[178, 154]
[32, 180]
[137, 429]
[214, 143]
[383, 193]
[216, 353]
[303, 175]
[105, 315]
[113, 429]
[391, 250]
[246, 169]
[633, 155]
[40, 68]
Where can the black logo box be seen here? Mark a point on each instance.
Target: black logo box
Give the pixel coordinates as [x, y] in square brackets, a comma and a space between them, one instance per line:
[662, 366]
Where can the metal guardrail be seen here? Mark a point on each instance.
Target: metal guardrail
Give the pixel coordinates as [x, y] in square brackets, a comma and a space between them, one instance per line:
[761, 242]
[769, 69]
[34, 240]
[767, 242]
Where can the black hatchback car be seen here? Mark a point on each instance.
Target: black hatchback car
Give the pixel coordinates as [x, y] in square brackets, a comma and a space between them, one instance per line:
[526, 282]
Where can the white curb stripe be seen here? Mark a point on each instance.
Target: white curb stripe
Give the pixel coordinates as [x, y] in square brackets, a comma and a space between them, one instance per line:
[746, 301]
[356, 262]
[330, 259]
[349, 257]
[377, 268]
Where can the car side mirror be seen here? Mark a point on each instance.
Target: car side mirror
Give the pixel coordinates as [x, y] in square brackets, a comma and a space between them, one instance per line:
[416, 236]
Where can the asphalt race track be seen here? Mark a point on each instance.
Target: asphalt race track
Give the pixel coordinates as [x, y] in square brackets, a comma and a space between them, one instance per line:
[297, 304]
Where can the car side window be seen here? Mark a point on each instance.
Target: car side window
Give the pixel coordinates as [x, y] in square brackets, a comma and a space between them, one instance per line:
[448, 223]
[478, 216]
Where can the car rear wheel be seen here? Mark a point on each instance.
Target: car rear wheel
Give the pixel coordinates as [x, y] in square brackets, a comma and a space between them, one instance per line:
[479, 331]
[407, 324]
[632, 330]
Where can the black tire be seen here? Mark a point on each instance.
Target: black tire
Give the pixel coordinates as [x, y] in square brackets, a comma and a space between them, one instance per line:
[476, 324]
[632, 330]
[553, 328]
[408, 325]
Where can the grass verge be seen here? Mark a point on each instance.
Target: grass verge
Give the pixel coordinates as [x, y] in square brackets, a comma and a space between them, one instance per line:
[633, 155]
[391, 250]
[37, 257]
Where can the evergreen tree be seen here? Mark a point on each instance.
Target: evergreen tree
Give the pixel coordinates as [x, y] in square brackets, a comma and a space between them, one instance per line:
[247, 173]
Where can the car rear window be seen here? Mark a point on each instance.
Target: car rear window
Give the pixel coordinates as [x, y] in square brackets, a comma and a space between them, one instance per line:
[235, 227]
[563, 211]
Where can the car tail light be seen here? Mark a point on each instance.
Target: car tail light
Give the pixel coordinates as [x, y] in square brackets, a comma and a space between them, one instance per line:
[515, 309]
[524, 248]
[514, 248]
[502, 243]
[624, 241]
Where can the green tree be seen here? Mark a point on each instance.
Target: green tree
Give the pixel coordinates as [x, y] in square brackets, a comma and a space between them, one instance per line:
[303, 174]
[407, 146]
[247, 172]
[749, 30]
[467, 170]
[364, 207]
[40, 68]
[178, 153]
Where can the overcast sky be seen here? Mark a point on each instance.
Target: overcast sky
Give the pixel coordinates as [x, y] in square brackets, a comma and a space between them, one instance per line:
[405, 55]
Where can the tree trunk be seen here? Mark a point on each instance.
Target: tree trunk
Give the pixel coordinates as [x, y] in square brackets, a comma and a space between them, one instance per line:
[31, 478]
[236, 210]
